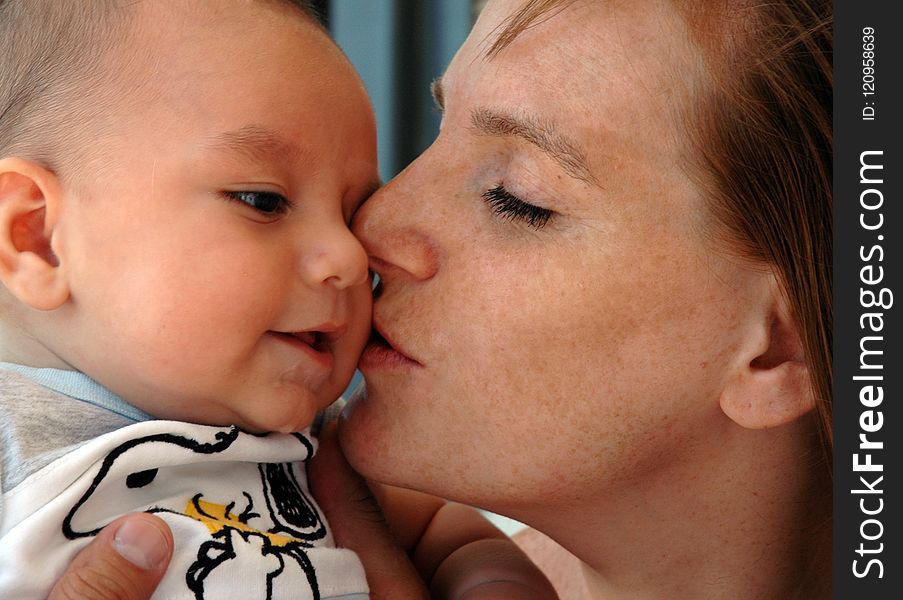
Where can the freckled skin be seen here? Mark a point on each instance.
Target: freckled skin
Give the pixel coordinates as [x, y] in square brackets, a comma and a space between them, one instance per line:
[571, 375]
[563, 350]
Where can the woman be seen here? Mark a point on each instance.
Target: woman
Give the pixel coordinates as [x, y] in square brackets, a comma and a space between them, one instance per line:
[604, 299]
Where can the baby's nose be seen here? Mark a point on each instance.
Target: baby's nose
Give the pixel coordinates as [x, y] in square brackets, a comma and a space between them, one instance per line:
[337, 260]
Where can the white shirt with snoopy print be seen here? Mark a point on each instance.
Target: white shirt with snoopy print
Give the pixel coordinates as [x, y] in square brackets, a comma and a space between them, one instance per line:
[244, 524]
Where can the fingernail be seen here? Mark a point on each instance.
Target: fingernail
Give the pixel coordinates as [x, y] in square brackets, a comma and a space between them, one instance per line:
[141, 543]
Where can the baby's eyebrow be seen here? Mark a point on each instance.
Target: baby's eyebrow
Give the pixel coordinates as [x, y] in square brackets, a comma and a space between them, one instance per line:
[255, 141]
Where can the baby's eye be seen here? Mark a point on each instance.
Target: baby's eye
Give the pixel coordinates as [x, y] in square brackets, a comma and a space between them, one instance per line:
[267, 203]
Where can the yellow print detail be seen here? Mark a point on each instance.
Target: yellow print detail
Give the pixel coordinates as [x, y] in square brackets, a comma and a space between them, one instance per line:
[218, 517]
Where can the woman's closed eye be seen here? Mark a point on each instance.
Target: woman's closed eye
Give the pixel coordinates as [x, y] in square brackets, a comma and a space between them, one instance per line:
[512, 208]
[270, 204]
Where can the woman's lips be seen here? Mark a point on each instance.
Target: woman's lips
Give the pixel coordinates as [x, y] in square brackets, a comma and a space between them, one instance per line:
[380, 352]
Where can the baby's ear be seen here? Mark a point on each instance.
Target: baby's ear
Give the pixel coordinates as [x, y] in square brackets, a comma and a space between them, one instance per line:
[770, 384]
[29, 206]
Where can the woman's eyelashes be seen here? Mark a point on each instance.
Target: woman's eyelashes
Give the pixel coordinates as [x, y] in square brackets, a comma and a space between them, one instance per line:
[512, 208]
[270, 204]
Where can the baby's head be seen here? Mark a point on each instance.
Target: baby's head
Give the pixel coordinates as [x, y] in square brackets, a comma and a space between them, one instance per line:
[176, 183]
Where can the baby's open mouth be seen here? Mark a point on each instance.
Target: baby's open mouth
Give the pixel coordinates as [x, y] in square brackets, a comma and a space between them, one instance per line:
[315, 339]
[308, 337]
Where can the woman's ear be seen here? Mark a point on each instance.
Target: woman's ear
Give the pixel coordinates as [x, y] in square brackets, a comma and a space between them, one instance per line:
[771, 384]
[29, 207]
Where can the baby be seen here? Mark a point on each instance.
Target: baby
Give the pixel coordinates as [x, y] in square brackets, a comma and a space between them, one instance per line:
[176, 184]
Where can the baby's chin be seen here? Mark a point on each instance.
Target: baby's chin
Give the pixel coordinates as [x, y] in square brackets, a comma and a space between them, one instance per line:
[274, 422]
[288, 418]
[287, 409]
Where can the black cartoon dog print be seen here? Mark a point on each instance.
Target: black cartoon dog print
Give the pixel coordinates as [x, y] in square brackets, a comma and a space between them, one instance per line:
[255, 536]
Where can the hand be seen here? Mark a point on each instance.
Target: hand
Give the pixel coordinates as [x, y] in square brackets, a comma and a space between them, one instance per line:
[125, 561]
[358, 523]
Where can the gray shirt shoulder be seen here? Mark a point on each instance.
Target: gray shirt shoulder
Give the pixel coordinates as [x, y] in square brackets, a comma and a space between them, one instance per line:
[38, 425]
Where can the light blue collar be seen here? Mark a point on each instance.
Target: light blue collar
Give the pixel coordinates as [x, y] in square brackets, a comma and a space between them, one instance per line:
[81, 387]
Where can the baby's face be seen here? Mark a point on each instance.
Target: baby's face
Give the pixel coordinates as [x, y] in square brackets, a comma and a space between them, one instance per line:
[213, 275]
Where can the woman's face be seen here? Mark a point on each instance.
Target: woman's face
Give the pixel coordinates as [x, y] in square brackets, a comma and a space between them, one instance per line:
[535, 361]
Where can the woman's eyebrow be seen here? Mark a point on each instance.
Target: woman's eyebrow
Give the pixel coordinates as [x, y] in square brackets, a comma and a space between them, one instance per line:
[543, 135]
[255, 141]
[539, 133]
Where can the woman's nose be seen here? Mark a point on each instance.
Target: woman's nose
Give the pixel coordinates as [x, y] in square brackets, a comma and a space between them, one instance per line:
[336, 260]
[393, 226]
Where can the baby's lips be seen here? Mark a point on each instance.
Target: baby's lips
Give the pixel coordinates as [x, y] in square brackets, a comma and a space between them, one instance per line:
[316, 336]
[308, 337]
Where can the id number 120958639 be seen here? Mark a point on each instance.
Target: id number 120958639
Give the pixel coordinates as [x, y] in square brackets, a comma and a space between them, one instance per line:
[868, 74]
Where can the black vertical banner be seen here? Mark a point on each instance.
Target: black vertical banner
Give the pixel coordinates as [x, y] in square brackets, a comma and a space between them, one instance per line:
[868, 270]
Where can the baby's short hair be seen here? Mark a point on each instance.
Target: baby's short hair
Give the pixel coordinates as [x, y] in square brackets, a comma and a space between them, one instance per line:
[56, 63]
[51, 51]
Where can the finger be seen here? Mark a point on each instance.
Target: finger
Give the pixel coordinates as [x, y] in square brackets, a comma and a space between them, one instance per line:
[489, 569]
[125, 561]
[357, 523]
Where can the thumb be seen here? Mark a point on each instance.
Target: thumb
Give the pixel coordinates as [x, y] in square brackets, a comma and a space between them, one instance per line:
[125, 561]
[357, 523]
